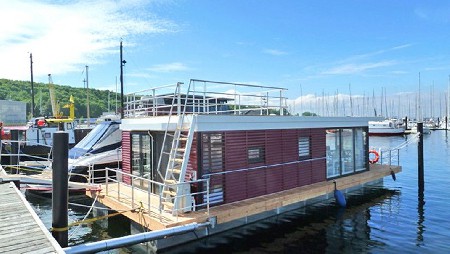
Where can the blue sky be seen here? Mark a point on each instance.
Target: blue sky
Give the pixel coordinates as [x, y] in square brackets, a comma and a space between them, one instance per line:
[312, 48]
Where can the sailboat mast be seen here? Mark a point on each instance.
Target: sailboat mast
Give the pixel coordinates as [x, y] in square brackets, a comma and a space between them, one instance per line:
[419, 102]
[32, 85]
[122, 63]
[88, 113]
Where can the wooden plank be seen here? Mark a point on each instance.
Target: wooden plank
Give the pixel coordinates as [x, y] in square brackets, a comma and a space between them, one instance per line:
[21, 231]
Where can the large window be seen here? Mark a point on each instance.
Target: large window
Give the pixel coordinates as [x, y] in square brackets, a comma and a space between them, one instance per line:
[141, 157]
[346, 151]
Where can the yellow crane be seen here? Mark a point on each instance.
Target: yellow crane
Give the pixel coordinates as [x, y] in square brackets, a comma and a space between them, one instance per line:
[51, 89]
[55, 105]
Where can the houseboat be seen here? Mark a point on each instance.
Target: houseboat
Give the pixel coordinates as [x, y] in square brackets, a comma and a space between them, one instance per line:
[229, 154]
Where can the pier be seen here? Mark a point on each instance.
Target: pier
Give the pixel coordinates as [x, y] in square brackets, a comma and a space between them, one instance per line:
[21, 229]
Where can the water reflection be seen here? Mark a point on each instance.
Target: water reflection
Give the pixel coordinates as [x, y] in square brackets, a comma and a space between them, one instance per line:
[420, 217]
[322, 228]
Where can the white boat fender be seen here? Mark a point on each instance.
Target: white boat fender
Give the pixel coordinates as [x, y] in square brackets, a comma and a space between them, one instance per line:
[393, 175]
[340, 198]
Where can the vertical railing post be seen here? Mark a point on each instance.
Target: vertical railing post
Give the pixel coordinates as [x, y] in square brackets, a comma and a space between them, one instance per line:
[132, 193]
[281, 103]
[118, 190]
[149, 183]
[179, 99]
[390, 157]
[207, 195]
[381, 156]
[107, 180]
[398, 157]
[14, 159]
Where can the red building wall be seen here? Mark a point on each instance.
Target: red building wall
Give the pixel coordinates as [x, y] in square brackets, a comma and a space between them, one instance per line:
[284, 168]
[126, 155]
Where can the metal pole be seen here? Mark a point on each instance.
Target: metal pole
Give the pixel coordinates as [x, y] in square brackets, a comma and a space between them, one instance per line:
[88, 113]
[129, 240]
[446, 123]
[32, 85]
[14, 159]
[60, 193]
[122, 63]
[421, 180]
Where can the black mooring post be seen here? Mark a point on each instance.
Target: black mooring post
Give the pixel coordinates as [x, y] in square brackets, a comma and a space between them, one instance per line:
[446, 123]
[421, 180]
[14, 159]
[406, 123]
[60, 195]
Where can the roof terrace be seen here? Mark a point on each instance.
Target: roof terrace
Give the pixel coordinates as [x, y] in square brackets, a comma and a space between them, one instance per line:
[206, 97]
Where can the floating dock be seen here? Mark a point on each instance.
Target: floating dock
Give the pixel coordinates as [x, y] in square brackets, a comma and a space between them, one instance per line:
[21, 230]
[227, 216]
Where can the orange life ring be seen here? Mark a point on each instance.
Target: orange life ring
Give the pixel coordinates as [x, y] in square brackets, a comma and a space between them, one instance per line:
[377, 157]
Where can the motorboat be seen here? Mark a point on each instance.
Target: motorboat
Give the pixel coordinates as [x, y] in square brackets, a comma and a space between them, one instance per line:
[385, 128]
[101, 148]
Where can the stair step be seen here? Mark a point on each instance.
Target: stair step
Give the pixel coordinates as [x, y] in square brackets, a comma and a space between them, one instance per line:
[171, 193]
[168, 204]
[170, 181]
[179, 160]
[176, 170]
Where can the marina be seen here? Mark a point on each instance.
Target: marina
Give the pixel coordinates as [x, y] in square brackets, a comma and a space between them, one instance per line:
[230, 127]
[182, 166]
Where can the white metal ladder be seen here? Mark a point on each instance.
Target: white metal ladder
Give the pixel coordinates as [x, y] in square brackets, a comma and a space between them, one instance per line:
[172, 192]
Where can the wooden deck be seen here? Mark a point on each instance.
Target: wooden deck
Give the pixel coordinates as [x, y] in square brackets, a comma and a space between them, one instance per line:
[228, 212]
[21, 231]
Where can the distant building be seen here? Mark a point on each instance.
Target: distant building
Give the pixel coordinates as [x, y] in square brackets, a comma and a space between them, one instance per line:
[13, 112]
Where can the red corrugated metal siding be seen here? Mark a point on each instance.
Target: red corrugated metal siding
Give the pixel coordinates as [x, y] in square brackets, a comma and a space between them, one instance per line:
[304, 173]
[280, 146]
[256, 183]
[304, 132]
[319, 173]
[126, 155]
[290, 145]
[318, 143]
[235, 186]
[193, 160]
[290, 176]
[235, 150]
[274, 147]
[274, 179]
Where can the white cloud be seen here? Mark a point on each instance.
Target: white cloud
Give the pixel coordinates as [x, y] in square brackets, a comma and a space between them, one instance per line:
[274, 52]
[170, 67]
[62, 36]
[353, 68]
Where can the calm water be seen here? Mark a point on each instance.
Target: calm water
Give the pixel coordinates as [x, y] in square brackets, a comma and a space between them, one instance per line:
[387, 219]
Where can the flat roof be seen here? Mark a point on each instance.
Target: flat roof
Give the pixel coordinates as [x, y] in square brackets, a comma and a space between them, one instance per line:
[233, 122]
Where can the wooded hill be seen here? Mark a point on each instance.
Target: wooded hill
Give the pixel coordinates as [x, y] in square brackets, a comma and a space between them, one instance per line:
[21, 91]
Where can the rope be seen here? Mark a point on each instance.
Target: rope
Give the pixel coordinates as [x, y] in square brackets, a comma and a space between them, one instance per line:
[411, 140]
[88, 221]
[84, 218]
[96, 207]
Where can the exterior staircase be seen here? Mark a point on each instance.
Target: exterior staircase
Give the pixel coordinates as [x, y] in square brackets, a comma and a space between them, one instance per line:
[175, 194]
